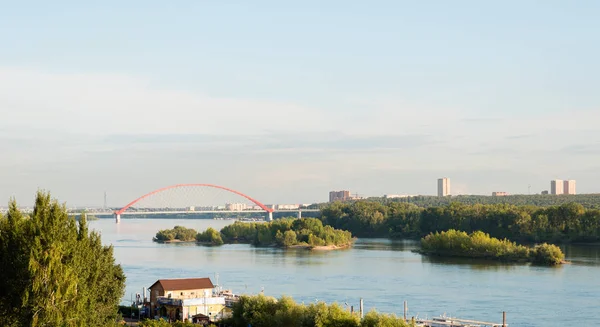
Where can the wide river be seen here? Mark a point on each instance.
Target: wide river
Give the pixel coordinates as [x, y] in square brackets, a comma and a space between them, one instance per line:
[382, 272]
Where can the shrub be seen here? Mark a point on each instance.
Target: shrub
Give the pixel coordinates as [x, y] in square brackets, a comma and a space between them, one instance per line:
[211, 236]
[547, 254]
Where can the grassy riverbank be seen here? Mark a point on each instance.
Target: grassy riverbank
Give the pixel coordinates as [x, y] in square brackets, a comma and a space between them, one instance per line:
[480, 245]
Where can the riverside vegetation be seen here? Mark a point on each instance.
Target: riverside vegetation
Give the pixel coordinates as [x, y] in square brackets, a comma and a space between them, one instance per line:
[569, 222]
[263, 311]
[54, 271]
[480, 245]
[287, 232]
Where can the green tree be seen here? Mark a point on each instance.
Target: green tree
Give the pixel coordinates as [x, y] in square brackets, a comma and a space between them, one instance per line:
[54, 271]
[210, 235]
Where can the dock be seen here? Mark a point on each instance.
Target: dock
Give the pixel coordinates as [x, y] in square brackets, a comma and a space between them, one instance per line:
[457, 322]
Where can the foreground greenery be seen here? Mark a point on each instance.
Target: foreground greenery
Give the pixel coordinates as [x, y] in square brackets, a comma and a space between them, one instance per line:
[54, 271]
[481, 245]
[570, 222]
[287, 232]
[262, 311]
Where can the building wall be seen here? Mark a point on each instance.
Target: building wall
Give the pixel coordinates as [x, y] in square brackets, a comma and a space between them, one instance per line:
[499, 194]
[444, 186]
[339, 196]
[569, 187]
[210, 310]
[157, 291]
[556, 187]
[236, 206]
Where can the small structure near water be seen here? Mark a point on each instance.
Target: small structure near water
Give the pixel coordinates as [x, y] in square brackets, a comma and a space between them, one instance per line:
[443, 321]
[188, 299]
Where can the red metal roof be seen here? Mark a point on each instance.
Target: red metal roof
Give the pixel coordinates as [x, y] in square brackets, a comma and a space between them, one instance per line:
[184, 284]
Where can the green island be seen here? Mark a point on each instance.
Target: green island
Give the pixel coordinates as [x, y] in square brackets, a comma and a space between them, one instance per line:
[480, 245]
[307, 233]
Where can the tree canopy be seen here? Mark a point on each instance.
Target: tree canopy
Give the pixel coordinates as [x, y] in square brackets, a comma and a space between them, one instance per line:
[568, 222]
[54, 271]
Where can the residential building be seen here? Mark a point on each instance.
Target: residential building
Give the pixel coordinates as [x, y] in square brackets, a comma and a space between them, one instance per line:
[545, 192]
[557, 187]
[339, 196]
[236, 206]
[288, 206]
[499, 193]
[569, 187]
[444, 186]
[186, 299]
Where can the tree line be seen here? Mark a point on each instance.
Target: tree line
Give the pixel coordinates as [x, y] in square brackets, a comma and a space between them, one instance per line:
[569, 222]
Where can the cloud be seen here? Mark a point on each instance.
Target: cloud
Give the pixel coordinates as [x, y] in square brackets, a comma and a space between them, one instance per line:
[81, 134]
[104, 104]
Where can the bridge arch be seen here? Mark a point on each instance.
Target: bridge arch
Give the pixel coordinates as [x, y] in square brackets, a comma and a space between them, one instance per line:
[130, 204]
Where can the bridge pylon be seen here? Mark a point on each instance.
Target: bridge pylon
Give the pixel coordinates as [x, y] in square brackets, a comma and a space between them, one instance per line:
[117, 218]
[299, 214]
[270, 216]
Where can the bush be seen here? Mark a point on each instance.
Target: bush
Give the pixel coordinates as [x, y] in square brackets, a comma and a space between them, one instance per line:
[262, 311]
[177, 233]
[547, 254]
[210, 236]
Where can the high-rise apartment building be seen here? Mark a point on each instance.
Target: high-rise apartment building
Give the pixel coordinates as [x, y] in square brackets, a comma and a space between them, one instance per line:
[339, 196]
[443, 186]
[569, 187]
[557, 187]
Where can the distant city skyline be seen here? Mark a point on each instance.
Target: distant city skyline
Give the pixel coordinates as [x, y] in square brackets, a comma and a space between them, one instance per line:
[288, 101]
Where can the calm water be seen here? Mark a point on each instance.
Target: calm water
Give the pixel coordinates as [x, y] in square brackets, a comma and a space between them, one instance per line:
[384, 273]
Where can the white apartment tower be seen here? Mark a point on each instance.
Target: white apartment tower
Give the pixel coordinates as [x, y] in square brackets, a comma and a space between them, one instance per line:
[569, 187]
[443, 186]
[557, 187]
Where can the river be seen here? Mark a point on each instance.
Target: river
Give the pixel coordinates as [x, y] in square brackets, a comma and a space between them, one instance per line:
[382, 272]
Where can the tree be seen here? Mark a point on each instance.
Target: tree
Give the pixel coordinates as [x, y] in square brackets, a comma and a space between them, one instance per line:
[54, 271]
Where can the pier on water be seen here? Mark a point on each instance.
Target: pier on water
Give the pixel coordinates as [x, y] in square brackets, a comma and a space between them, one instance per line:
[444, 320]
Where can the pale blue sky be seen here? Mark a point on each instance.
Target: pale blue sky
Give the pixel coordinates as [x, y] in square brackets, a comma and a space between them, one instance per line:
[288, 100]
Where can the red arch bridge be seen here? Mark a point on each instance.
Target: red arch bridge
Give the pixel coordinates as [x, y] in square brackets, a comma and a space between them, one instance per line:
[201, 198]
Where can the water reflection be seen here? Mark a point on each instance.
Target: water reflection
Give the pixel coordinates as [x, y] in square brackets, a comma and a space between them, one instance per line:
[382, 244]
[477, 264]
[583, 254]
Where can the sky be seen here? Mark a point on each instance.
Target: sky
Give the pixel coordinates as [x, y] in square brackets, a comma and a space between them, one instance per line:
[288, 100]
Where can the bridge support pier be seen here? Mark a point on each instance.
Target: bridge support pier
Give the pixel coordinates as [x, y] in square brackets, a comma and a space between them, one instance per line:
[270, 216]
[299, 214]
[117, 218]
